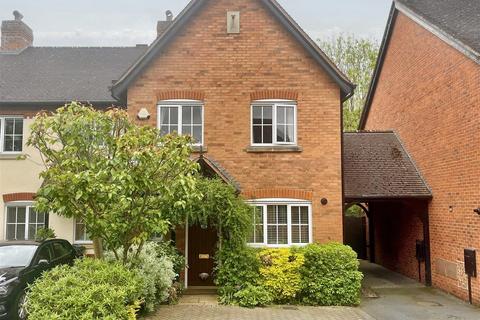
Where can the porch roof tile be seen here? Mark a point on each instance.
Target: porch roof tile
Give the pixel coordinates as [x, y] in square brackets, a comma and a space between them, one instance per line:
[377, 166]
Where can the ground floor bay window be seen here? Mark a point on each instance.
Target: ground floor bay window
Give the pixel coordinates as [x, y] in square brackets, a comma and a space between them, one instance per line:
[22, 221]
[281, 222]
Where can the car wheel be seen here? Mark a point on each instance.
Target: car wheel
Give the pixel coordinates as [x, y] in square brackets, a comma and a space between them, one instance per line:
[22, 305]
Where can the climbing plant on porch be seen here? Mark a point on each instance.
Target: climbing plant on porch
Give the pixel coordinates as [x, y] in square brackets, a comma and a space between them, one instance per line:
[220, 207]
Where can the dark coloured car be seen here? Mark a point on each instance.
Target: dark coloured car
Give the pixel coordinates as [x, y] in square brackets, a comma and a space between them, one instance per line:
[21, 262]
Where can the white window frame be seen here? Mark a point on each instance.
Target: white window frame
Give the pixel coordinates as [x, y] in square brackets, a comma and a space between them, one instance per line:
[28, 205]
[289, 203]
[179, 104]
[274, 104]
[2, 133]
[75, 241]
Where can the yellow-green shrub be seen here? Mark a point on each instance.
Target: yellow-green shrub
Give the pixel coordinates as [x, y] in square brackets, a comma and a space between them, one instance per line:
[280, 273]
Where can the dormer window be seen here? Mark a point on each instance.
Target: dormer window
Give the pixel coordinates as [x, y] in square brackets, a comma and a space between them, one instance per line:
[182, 117]
[274, 123]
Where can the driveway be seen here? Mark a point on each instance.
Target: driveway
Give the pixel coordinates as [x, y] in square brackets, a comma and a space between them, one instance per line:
[396, 298]
[215, 312]
[400, 298]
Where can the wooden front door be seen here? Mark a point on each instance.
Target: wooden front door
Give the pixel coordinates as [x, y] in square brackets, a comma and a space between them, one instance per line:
[201, 250]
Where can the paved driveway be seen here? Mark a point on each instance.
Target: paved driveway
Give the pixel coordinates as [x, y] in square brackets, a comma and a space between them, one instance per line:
[397, 298]
[400, 298]
[210, 312]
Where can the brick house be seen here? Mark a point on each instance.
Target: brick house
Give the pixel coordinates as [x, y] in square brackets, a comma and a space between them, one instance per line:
[426, 88]
[262, 101]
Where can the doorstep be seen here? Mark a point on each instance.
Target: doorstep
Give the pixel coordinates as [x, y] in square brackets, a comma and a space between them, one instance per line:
[193, 291]
[199, 300]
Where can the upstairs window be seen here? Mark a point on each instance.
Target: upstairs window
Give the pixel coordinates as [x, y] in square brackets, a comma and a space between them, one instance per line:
[11, 134]
[182, 117]
[274, 123]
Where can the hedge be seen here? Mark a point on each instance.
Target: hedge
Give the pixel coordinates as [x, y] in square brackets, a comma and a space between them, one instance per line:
[91, 289]
[318, 274]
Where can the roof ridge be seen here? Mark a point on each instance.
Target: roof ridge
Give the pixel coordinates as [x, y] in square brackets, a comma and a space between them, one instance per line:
[88, 47]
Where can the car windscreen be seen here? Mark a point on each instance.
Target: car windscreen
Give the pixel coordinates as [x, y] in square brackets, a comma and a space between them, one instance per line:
[16, 255]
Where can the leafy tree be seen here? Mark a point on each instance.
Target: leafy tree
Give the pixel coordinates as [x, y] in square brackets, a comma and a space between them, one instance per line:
[124, 181]
[356, 57]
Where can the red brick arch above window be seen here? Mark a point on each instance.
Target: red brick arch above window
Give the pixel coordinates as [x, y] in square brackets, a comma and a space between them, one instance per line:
[278, 193]
[21, 196]
[274, 94]
[180, 94]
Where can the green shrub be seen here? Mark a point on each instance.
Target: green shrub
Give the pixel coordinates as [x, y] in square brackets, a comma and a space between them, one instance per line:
[166, 248]
[330, 275]
[155, 271]
[236, 268]
[253, 296]
[280, 274]
[91, 289]
[44, 234]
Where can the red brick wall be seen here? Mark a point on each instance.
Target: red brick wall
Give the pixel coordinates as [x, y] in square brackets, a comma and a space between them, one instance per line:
[228, 70]
[430, 94]
[397, 227]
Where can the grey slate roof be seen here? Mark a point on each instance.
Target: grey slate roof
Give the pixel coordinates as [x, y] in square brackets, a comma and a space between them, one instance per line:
[377, 166]
[458, 18]
[41, 74]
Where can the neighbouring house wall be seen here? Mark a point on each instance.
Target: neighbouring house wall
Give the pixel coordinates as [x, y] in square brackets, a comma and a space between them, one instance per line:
[397, 226]
[225, 70]
[430, 94]
[22, 176]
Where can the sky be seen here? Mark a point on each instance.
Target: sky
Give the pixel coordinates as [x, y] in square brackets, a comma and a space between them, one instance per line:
[131, 22]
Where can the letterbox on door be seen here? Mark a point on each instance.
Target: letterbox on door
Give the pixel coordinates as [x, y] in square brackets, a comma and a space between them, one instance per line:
[470, 257]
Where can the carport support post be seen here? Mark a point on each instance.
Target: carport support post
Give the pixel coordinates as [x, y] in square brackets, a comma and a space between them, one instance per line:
[371, 233]
[426, 238]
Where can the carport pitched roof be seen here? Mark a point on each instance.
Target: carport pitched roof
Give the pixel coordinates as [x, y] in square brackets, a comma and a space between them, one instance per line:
[377, 166]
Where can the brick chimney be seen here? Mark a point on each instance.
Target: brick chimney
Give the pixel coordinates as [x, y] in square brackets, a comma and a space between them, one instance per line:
[16, 35]
[163, 25]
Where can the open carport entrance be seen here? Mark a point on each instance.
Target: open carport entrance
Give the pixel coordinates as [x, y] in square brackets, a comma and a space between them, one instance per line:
[381, 178]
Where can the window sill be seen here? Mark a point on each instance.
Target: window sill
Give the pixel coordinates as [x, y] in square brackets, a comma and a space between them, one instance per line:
[199, 149]
[273, 149]
[82, 243]
[263, 245]
[12, 156]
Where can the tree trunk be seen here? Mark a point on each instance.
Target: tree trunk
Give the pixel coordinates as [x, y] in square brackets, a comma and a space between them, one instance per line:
[98, 248]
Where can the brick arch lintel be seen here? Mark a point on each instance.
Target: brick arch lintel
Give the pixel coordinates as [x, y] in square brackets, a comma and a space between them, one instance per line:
[274, 94]
[180, 94]
[275, 193]
[20, 196]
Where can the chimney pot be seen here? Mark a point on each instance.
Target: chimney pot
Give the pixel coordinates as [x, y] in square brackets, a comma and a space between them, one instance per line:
[18, 16]
[169, 15]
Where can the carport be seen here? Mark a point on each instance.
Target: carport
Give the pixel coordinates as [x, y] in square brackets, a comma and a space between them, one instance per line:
[382, 179]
